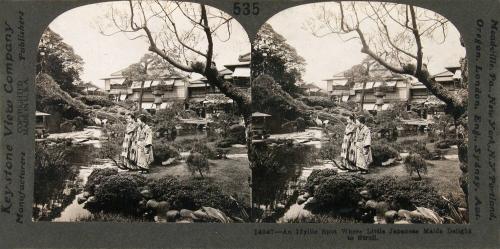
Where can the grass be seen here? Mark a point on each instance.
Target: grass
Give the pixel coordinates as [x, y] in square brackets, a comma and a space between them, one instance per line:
[231, 175]
[443, 175]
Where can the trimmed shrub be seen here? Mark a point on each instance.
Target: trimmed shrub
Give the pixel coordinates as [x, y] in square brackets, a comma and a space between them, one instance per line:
[197, 162]
[338, 191]
[406, 194]
[224, 143]
[325, 102]
[119, 193]
[163, 152]
[92, 100]
[237, 134]
[446, 143]
[97, 177]
[415, 163]
[383, 152]
[316, 177]
[301, 124]
[191, 194]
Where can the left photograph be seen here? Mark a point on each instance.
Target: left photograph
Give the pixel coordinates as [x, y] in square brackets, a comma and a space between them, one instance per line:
[142, 115]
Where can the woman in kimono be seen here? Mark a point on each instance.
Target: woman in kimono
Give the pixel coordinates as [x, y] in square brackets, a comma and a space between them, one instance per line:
[363, 143]
[144, 141]
[348, 149]
[129, 150]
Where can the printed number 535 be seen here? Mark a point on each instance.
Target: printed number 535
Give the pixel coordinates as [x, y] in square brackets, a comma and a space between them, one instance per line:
[246, 8]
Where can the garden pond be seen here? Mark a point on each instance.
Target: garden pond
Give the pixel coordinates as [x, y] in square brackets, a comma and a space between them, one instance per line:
[56, 197]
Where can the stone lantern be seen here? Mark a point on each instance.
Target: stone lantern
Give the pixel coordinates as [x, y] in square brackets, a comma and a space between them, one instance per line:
[158, 94]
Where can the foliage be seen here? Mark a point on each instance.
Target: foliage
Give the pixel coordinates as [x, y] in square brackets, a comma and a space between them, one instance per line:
[111, 148]
[415, 163]
[165, 121]
[338, 191]
[118, 193]
[331, 149]
[446, 143]
[97, 177]
[223, 121]
[348, 105]
[51, 169]
[163, 151]
[316, 177]
[95, 100]
[52, 99]
[197, 162]
[58, 59]
[190, 194]
[386, 123]
[268, 97]
[382, 152]
[406, 194]
[237, 134]
[421, 149]
[325, 102]
[282, 61]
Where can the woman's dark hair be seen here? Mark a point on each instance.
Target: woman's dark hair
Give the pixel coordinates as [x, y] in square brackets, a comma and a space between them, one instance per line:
[352, 117]
[362, 119]
[143, 118]
[131, 115]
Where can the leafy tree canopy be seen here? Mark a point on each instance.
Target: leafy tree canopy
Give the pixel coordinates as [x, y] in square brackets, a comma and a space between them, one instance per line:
[282, 62]
[58, 59]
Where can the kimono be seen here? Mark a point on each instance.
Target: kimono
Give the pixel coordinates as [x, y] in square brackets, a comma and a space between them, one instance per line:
[129, 148]
[144, 141]
[348, 149]
[363, 150]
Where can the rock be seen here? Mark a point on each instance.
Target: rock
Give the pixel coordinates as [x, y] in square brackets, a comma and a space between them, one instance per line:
[160, 219]
[389, 162]
[402, 222]
[67, 126]
[81, 200]
[168, 161]
[371, 204]
[172, 215]
[306, 195]
[365, 194]
[200, 214]
[185, 221]
[92, 200]
[163, 206]
[403, 213]
[464, 212]
[416, 215]
[300, 199]
[312, 200]
[86, 195]
[390, 216]
[152, 204]
[146, 194]
[382, 207]
[185, 213]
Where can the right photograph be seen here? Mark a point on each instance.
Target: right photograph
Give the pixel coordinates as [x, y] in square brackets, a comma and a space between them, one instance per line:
[359, 115]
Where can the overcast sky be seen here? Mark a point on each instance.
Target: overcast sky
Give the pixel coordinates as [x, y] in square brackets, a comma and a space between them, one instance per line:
[325, 56]
[104, 55]
[330, 55]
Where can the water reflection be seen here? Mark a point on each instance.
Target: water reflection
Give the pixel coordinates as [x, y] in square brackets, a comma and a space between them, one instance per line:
[63, 165]
[279, 171]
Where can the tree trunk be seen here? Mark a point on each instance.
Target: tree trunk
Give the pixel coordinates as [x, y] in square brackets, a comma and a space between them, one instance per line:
[141, 94]
[362, 102]
[419, 176]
